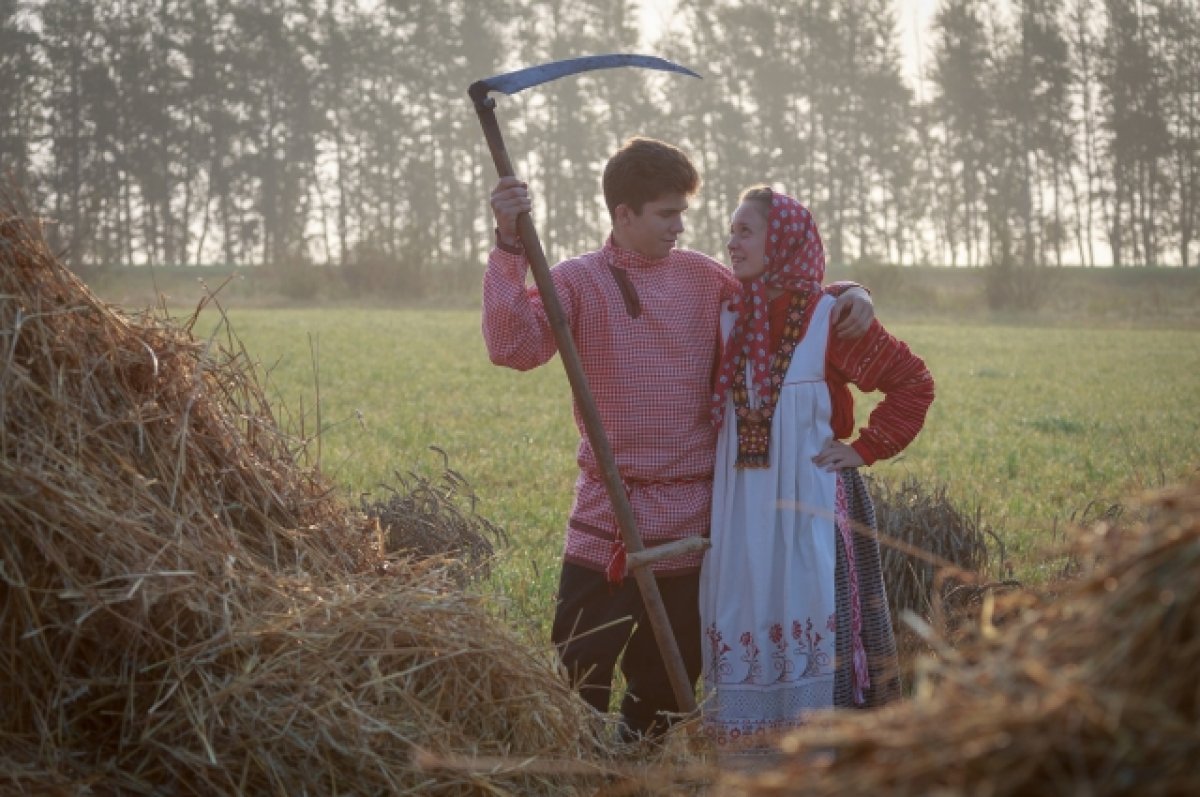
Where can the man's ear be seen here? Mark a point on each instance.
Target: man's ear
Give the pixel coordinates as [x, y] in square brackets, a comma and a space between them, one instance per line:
[622, 214]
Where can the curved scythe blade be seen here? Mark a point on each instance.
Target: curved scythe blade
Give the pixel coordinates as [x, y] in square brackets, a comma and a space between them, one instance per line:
[512, 82]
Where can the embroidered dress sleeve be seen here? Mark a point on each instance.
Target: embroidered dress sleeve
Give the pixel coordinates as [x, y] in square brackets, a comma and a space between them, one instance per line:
[515, 326]
[880, 361]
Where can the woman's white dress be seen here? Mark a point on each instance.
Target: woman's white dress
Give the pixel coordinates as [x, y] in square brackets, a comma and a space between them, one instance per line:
[767, 591]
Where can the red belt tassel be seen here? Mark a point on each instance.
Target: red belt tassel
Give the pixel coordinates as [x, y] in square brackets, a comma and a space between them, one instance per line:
[615, 572]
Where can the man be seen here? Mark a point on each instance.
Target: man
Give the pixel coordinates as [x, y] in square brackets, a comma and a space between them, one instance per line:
[644, 318]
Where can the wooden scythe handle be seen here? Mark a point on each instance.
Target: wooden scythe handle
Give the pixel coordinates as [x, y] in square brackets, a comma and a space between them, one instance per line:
[685, 696]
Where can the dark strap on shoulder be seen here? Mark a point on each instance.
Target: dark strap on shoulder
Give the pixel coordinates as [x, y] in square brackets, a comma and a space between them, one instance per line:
[633, 304]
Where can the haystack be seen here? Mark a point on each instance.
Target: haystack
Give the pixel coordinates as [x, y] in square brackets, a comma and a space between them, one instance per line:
[933, 556]
[1092, 691]
[427, 518]
[922, 532]
[185, 609]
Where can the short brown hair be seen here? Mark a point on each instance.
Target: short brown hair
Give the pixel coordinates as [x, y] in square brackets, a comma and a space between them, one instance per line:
[643, 170]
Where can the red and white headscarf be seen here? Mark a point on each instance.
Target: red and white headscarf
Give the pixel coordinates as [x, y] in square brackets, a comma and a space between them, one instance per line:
[795, 261]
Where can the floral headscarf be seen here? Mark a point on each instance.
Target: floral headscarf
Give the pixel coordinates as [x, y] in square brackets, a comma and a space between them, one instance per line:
[795, 262]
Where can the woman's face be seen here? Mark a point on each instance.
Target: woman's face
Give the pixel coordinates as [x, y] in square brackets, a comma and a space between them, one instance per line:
[747, 241]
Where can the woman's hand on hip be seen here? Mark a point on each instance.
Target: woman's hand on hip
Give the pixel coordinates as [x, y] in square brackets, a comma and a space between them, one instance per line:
[836, 455]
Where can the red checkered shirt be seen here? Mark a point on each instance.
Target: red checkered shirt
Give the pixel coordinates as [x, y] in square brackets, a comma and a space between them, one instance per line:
[647, 349]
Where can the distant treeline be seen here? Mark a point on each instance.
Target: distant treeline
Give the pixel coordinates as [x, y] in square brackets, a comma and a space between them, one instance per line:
[285, 132]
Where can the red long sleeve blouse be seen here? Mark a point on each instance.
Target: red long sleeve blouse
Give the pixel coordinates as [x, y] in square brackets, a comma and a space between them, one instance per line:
[875, 361]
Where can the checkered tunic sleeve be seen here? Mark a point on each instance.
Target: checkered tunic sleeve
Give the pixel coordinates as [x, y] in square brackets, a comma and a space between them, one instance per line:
[516, 329]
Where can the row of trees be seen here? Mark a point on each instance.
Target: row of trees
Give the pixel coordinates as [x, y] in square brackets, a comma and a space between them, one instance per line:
[1043, 132]
[296, 131]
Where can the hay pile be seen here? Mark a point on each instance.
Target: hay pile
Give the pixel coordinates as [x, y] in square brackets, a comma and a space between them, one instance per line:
[932, 555]
[186, 610]
[926, 522]
[1091, 692]
[435, 519]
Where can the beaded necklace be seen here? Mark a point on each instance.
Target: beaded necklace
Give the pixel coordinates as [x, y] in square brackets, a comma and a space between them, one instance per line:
[754, 423]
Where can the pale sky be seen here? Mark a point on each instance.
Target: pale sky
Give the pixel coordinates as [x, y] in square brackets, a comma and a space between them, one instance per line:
[913, 16]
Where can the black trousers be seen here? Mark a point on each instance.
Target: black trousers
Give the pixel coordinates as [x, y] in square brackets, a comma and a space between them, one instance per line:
[586, 602]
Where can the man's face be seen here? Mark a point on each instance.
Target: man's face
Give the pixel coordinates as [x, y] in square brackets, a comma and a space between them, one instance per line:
[654, 232]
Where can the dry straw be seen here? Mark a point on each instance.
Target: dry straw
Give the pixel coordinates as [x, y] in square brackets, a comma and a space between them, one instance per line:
[1092, 692]
[427, 518]
[184, 609]
[914, 518]
[933, 557]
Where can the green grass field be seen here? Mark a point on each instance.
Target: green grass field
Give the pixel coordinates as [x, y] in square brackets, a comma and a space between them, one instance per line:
[1031, 426]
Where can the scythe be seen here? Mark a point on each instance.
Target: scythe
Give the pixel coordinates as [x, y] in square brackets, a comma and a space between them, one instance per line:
[638, 557]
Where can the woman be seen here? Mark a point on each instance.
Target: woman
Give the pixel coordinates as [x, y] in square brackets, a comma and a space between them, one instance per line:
[791, 596]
